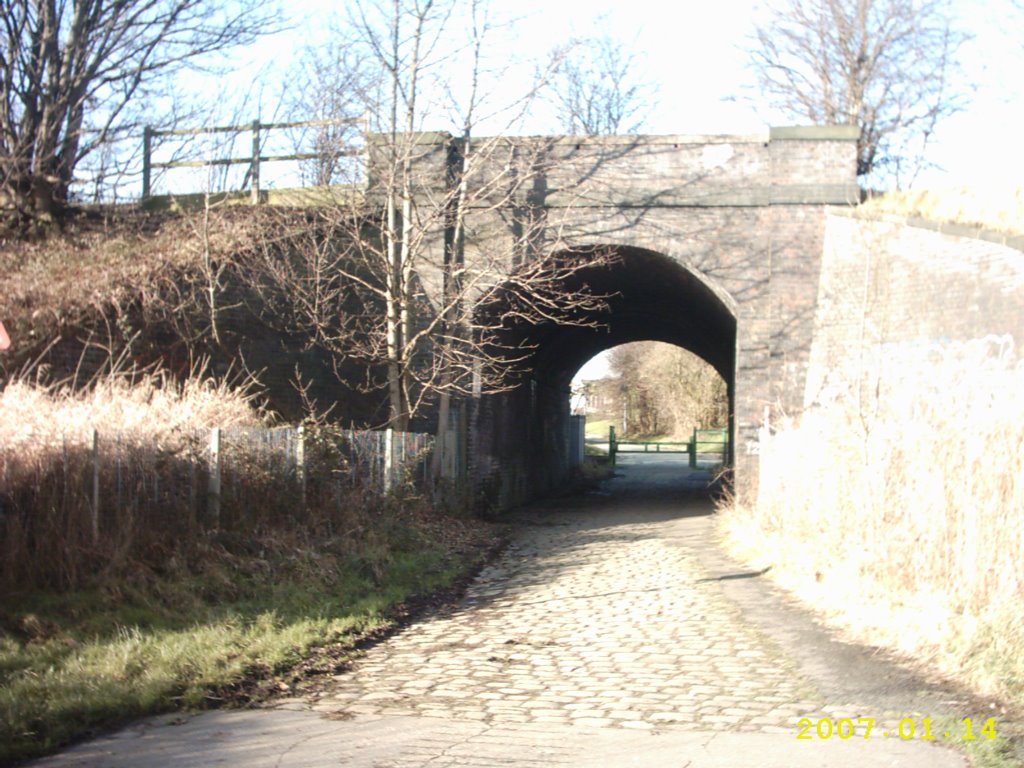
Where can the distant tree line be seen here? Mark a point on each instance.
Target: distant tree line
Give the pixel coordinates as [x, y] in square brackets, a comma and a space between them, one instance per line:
[658, 389]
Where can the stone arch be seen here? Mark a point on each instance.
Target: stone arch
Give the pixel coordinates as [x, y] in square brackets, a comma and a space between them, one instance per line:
[519, 439]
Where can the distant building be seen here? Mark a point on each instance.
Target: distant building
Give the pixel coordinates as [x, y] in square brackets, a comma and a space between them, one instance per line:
[597, 398]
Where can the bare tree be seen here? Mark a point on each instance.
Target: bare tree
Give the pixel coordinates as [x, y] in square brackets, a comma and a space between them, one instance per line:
[596, 91]
[331, 82]
[71, 72]
[383, 276]
[666, 389]
[886, 66]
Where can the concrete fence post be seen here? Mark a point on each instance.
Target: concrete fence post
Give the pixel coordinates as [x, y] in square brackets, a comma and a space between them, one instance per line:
[120, 480]
[389, 459]
[300, 462]
[192, 493]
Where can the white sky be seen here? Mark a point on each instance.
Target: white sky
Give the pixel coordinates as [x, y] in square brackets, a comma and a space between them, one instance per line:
[692, 54]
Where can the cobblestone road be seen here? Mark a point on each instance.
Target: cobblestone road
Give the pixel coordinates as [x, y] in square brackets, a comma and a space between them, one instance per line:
[598, 618]
[611, 632]
[603, 612]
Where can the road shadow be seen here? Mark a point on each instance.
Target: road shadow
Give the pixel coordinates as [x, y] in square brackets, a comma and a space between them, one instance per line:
[643, 486]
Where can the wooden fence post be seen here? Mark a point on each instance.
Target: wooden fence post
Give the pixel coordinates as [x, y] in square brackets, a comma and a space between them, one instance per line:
[147, 160]
[95, 487]
[213, 488]
[255, 198]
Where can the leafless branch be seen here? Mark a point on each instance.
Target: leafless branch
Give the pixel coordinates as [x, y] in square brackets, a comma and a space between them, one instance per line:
[70, 72]
[886, 66]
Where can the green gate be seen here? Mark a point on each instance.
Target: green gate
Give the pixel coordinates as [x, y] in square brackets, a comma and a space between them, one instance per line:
[703, 444]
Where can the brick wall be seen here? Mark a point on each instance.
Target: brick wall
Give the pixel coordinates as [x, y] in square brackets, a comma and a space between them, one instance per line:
[887, 285]
[743, 214]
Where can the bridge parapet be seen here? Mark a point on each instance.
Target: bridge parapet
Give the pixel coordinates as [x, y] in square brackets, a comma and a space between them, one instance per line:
[721, 238]
[783, 165]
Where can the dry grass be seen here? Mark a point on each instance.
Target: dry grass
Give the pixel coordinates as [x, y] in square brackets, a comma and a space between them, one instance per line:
[71, 514]
[898, 511]
[999, 209]
[89, 275]
[145, 463]
[100, 257]
[216, 628]
[139, 406]
[162, 613]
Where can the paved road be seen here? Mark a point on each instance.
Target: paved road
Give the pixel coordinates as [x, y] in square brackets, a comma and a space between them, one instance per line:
[611, 632]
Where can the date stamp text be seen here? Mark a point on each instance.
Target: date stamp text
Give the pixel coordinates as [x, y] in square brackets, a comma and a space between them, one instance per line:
[908, 728]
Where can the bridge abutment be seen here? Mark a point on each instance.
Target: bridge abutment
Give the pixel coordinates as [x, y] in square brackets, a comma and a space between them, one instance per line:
[718, 242]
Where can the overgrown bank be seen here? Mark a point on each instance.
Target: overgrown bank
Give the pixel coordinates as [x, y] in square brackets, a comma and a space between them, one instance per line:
[996, 208]
[172, 291]
[896, 509]
[163, 609]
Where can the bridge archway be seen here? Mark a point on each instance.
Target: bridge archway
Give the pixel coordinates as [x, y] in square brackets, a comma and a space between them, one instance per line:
[519, 439]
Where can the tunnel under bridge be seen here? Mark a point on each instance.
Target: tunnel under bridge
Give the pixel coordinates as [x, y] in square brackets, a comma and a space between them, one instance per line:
[715, 245]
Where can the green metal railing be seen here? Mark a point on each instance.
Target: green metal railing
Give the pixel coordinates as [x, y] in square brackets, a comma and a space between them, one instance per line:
[702, 443]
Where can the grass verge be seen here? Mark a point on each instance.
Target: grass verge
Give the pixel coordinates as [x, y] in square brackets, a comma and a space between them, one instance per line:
[223, 625]
[598, 427]
[894, 510]
[998, 208]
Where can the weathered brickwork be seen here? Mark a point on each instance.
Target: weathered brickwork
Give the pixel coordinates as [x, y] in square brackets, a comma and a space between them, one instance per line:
[720, 239]
[887, 284]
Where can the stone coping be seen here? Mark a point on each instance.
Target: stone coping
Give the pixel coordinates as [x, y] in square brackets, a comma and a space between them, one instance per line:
[777, 133]
[972, 232]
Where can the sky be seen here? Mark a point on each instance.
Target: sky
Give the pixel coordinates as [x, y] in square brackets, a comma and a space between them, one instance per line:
[691, 55]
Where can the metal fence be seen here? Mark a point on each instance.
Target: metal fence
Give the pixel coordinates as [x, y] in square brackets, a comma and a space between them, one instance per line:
[238, 477]
[375, 459]
[707, 447]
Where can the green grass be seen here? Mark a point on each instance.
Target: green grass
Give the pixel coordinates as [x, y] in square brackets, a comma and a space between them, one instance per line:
[651, 439]
[982, 751]
[597, 467]
[598, 427]
[221, 629]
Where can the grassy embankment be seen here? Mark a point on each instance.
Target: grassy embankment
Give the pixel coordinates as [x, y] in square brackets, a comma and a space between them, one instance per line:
[219, 630]
[202, 620]
[161, 612]
[599, 428]
[897, 511]
[997, 209]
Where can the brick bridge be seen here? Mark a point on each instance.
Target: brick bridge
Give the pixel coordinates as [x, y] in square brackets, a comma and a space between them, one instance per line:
[718, 242]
